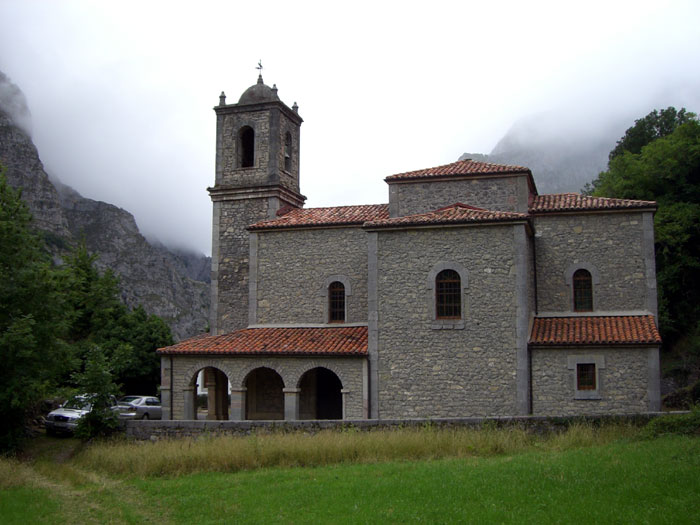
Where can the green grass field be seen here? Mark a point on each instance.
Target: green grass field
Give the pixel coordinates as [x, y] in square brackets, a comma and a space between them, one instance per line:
[589, 475]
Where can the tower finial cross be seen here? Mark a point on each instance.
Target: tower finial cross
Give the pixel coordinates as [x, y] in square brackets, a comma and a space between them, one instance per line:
[259, 67]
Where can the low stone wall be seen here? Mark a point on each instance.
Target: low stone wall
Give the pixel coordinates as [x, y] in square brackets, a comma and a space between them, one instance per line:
[155, 430]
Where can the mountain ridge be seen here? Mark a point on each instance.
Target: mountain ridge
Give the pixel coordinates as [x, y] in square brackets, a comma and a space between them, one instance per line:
[173, 284]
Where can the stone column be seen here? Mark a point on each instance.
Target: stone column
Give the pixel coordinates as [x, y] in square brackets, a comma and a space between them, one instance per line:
[237, 409]
[189, 402]
[221, 395]
[291, 403]
[165, 388]
[344, 394]
[210, 385]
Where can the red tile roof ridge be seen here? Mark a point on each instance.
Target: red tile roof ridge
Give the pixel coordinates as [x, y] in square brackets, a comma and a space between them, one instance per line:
[556, 202]
[454, 214]
[330, 340]
[595, 330]
[325, 216]
[461, 167]
[461, 205]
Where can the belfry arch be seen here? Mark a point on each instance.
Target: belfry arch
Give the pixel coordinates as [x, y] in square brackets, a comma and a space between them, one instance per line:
[320, 395]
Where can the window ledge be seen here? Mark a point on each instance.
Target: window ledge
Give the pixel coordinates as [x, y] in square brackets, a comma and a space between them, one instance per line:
[587, 394]
[447, 324]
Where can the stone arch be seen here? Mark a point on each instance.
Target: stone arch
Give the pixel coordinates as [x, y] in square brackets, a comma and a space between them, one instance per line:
[320, 394]
[264, 398]
[297, 374]
[216, 381]
[242, 373]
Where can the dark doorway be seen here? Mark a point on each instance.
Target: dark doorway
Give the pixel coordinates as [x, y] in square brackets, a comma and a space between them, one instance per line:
[264, 395]
[320, 396]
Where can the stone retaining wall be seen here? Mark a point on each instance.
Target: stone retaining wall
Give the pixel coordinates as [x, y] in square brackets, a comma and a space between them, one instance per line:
[155, 430]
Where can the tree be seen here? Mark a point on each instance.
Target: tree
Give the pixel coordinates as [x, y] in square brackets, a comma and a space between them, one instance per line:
[139, 370]
[655, 125]
[32, 318]
[667, 170]
[97, 316]
[96, 381]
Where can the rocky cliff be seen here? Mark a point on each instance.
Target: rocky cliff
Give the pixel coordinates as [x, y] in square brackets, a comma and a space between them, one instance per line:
[561, 160]
[173, 284]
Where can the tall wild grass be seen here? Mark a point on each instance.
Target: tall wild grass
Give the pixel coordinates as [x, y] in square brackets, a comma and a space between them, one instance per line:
[229, 454]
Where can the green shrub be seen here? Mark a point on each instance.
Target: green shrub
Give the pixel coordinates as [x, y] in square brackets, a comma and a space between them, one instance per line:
[683, 398]
[683, 424]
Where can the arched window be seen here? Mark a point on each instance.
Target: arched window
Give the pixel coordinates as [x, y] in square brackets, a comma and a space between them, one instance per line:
[288, 151]
[246, 141]
[336, 302]
[583, 291]
[448, 295]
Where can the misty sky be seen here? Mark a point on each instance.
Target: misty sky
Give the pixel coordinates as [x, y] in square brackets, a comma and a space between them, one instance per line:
[121, 92]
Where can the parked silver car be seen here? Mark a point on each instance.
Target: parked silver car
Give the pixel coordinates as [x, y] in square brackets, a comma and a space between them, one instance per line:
[64, 419]
[139, 407]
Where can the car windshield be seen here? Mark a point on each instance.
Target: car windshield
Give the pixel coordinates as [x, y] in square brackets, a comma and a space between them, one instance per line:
[129, 399]
[77, 404]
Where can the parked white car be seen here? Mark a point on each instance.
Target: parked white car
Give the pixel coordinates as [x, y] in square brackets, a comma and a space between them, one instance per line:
[139, 407]
[64, 419]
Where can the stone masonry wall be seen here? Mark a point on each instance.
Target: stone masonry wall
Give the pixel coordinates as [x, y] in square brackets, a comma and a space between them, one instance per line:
[154, 430]
[293, 267]
[228, 172]
[623, 382]
[348, 369]
[289, 178]
[495, 193]
[233, 250]
[428, 372]
[612, 243]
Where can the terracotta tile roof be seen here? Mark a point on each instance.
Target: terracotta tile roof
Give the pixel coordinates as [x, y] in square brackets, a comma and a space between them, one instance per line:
[577, 202]
[334, 216]
[341, 340]
[615, 330]
[457, 213]
[462, 167]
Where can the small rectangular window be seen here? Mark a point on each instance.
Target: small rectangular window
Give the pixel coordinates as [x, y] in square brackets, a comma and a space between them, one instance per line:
[585, 376]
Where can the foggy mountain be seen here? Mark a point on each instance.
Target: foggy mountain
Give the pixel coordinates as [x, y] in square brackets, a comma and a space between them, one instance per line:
[561, 160]
[173, 284]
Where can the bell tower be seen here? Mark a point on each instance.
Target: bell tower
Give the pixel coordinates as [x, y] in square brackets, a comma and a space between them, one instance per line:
[257, 173]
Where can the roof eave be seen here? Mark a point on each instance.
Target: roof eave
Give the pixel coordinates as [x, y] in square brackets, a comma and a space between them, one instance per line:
[578, 211]
[592, 345]
[357, 353]
[455, 176]
[446, 224]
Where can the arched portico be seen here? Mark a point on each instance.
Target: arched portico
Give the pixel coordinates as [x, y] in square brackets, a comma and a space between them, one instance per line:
[264, 394]
[320, 395]
[216, 384]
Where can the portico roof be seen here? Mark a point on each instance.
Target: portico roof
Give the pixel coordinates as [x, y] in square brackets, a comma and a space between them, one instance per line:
[332, 341]
[595, 330]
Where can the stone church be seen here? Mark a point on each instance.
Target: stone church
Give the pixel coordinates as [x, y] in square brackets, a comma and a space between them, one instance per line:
[468, 294]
